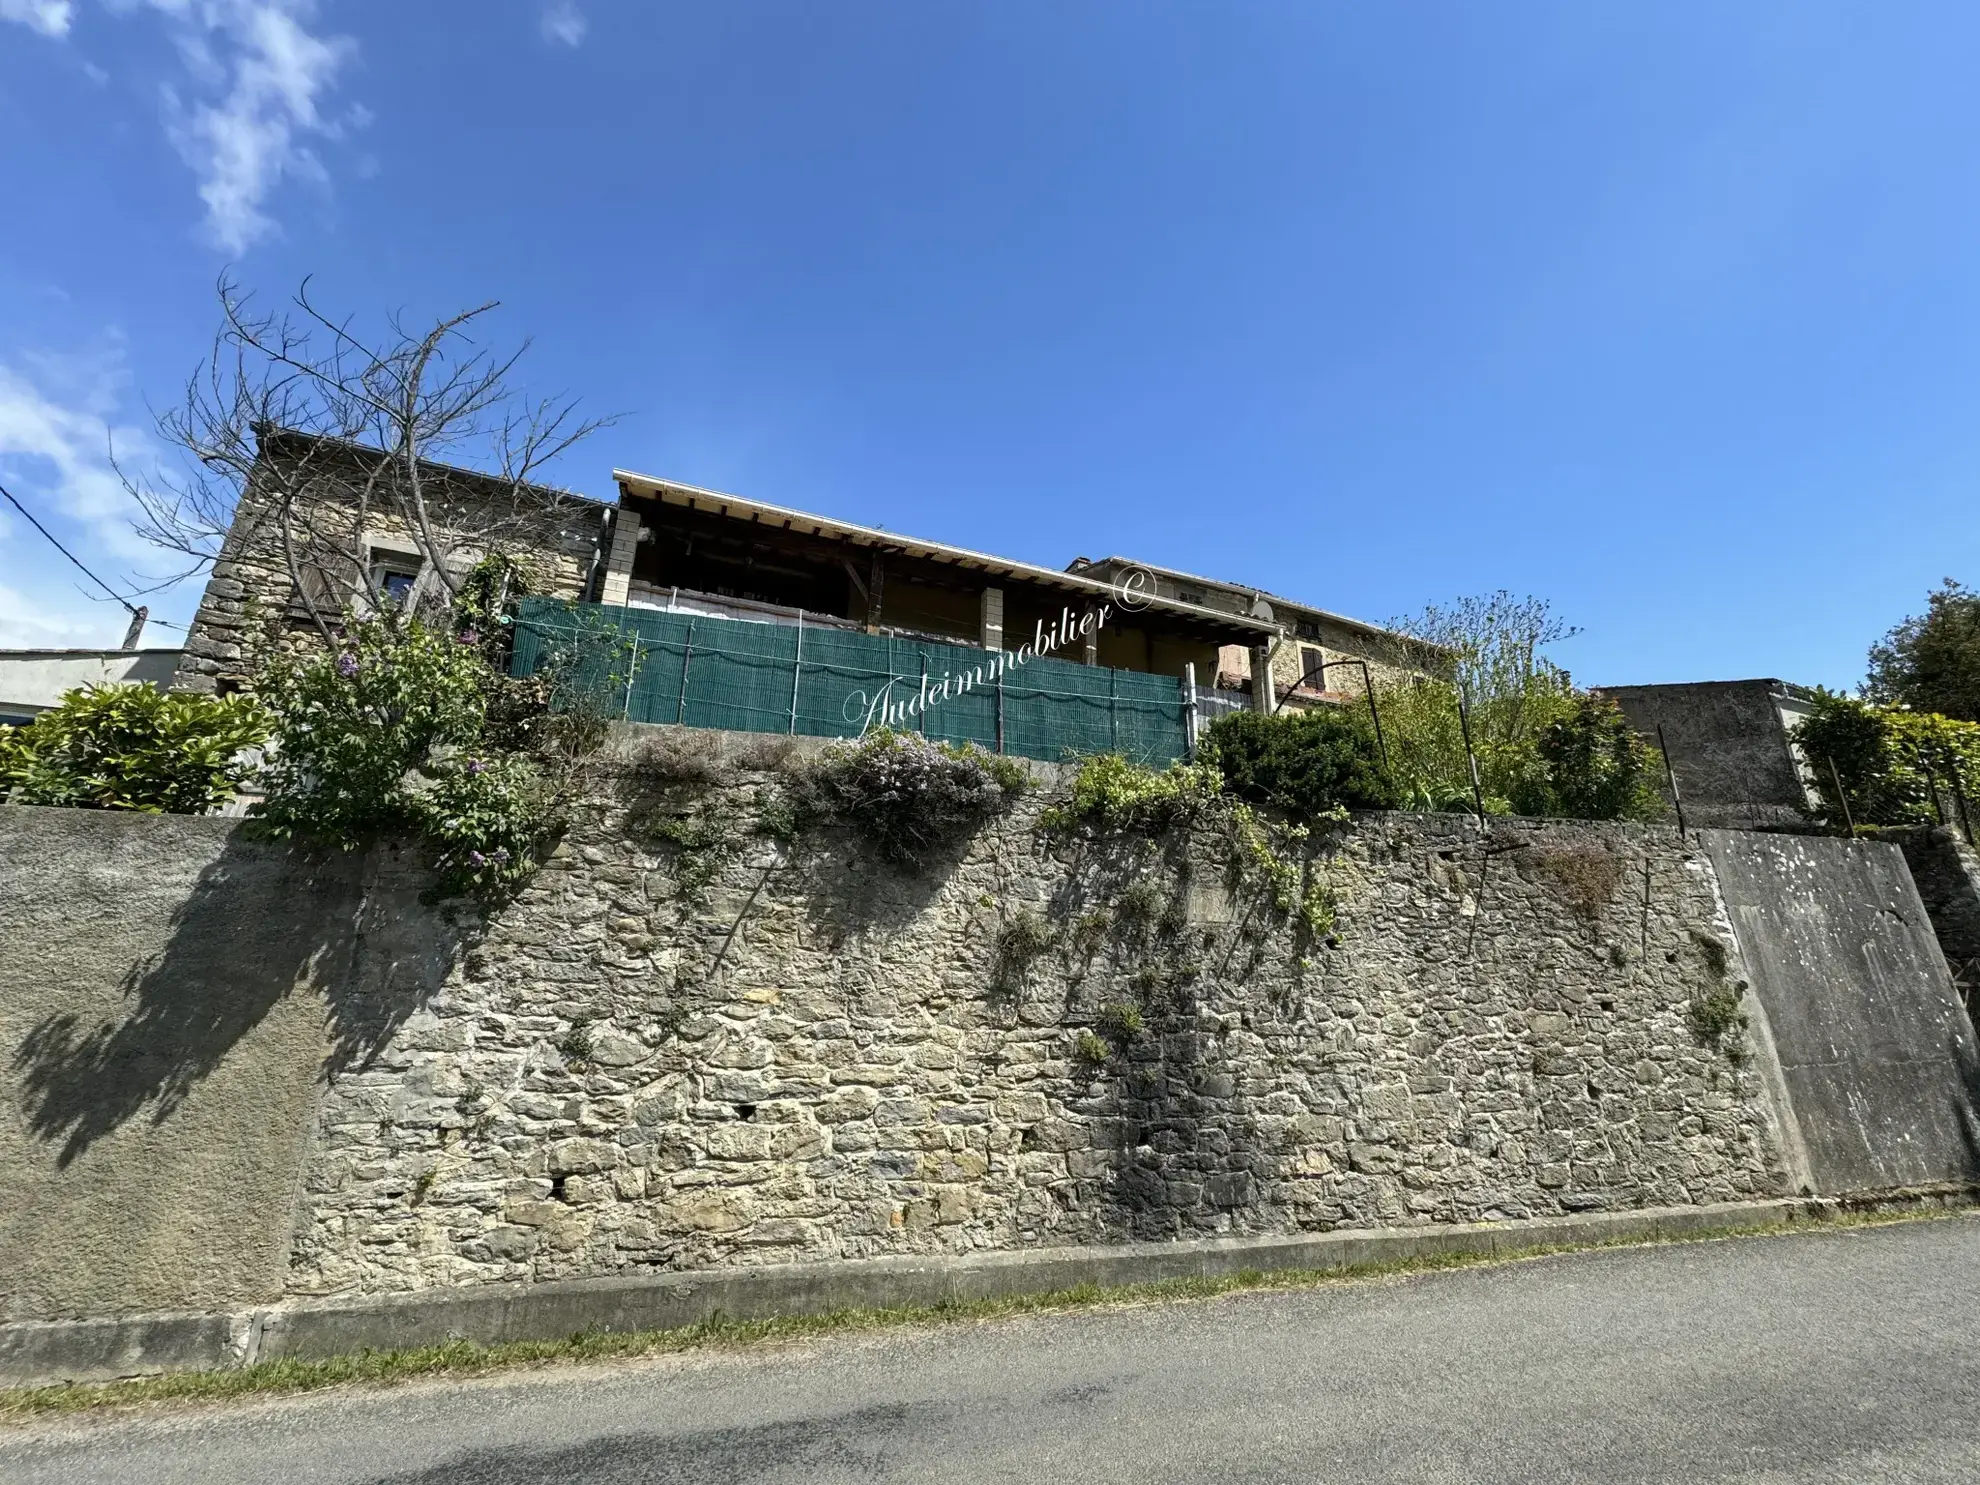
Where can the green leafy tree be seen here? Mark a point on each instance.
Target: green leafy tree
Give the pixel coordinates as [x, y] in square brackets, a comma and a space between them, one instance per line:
[1308, 765]
[1490, 650]
[1591, 765]
[1931, 662]
[133, 747]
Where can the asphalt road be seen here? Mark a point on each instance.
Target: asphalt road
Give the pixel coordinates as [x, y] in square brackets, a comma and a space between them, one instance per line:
[1846, 1356]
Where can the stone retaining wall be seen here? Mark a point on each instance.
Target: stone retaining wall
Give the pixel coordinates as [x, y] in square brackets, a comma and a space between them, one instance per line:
[802, 1054]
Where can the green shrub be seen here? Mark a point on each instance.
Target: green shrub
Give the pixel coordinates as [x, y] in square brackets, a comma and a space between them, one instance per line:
[387, 738]
[1116, 794]
[1590, 764]
[911, 797]
[1882, 756]
[1307, 765]
[132, 747]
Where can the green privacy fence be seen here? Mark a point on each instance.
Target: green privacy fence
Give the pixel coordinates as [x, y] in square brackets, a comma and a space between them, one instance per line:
[700, 671]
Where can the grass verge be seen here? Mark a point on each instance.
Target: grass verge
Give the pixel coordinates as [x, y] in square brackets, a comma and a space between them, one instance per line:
[466, 1359]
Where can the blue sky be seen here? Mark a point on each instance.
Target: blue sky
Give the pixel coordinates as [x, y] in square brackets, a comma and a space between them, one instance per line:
[1664, 312]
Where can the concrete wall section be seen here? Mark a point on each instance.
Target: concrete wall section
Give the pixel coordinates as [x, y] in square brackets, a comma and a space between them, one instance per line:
[171, 994]
[1877, 1052]
[33, 680]
[1728, 742]
[1947, 871]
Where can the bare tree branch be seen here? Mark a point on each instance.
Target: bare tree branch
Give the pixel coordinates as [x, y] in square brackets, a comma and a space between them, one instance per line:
[302, 433]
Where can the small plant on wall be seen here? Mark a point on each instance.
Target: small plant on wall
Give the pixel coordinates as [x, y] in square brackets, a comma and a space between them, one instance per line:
[1264, 848]
[913, 799]
[1715, 1012]
[1022, 940]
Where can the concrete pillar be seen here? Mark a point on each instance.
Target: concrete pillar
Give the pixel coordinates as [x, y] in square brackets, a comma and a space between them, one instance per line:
[1091, 651]
[619, 564]
[1264, 697]
[991, 634]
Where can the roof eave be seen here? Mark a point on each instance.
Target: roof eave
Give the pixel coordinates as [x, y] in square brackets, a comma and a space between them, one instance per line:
[762, 512]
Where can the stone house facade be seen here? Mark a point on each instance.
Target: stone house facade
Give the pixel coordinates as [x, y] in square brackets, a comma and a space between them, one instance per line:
[1315, 657]
[325, 528]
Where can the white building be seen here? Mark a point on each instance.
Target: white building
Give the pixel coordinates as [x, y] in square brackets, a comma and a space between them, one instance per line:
[33, 680]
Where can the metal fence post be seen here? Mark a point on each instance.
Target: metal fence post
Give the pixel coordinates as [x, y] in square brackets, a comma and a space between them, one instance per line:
[921, 717]
[797, 669]
[1000, 705]
[1849, 821]
[1190, 722]
[687, 655]
[632, 675]
[1113, 711]
[1670, 774]
[1464, 729]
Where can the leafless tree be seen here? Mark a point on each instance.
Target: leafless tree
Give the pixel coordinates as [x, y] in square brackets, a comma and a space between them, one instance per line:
[301, 433]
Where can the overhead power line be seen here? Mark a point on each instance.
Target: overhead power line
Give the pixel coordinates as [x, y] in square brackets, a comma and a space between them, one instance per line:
[140, 614]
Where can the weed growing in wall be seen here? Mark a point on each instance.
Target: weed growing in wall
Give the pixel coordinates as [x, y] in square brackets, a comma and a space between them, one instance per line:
[1023, 940]
[1120, 1022]
[1091, 1051]
[575, 1045]
[702, 845]
[1111, 793]
[1583, 877]
[1140, 906]
[1715, 1014]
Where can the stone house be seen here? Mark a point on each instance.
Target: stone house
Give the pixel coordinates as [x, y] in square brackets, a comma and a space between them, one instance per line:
[1313, 657]
[327, 526]
[683, 548]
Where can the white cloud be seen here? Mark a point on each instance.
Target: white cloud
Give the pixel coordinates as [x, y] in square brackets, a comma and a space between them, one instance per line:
[49, 17]
[256, 92]
[37, 624]
[564, 22]
[266, 78]
[57, 420]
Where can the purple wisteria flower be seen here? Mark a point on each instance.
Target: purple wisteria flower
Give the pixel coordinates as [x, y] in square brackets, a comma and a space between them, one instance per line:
[500, 856]
[476, 859]
[347, 665]
[475, 765]
[468, 637]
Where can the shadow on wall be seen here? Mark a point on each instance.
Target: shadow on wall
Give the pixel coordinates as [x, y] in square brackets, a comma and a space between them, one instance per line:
[261, 924]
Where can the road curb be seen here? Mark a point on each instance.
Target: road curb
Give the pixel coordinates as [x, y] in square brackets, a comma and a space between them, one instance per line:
[39, 1353]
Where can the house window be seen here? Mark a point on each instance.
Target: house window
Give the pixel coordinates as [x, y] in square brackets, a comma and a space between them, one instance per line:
[395, 575]
[1307, 628]
[1190, 595]
[1312, 670]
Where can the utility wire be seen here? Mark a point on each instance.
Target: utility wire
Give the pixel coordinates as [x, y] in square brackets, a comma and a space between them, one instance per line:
[129, 607]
